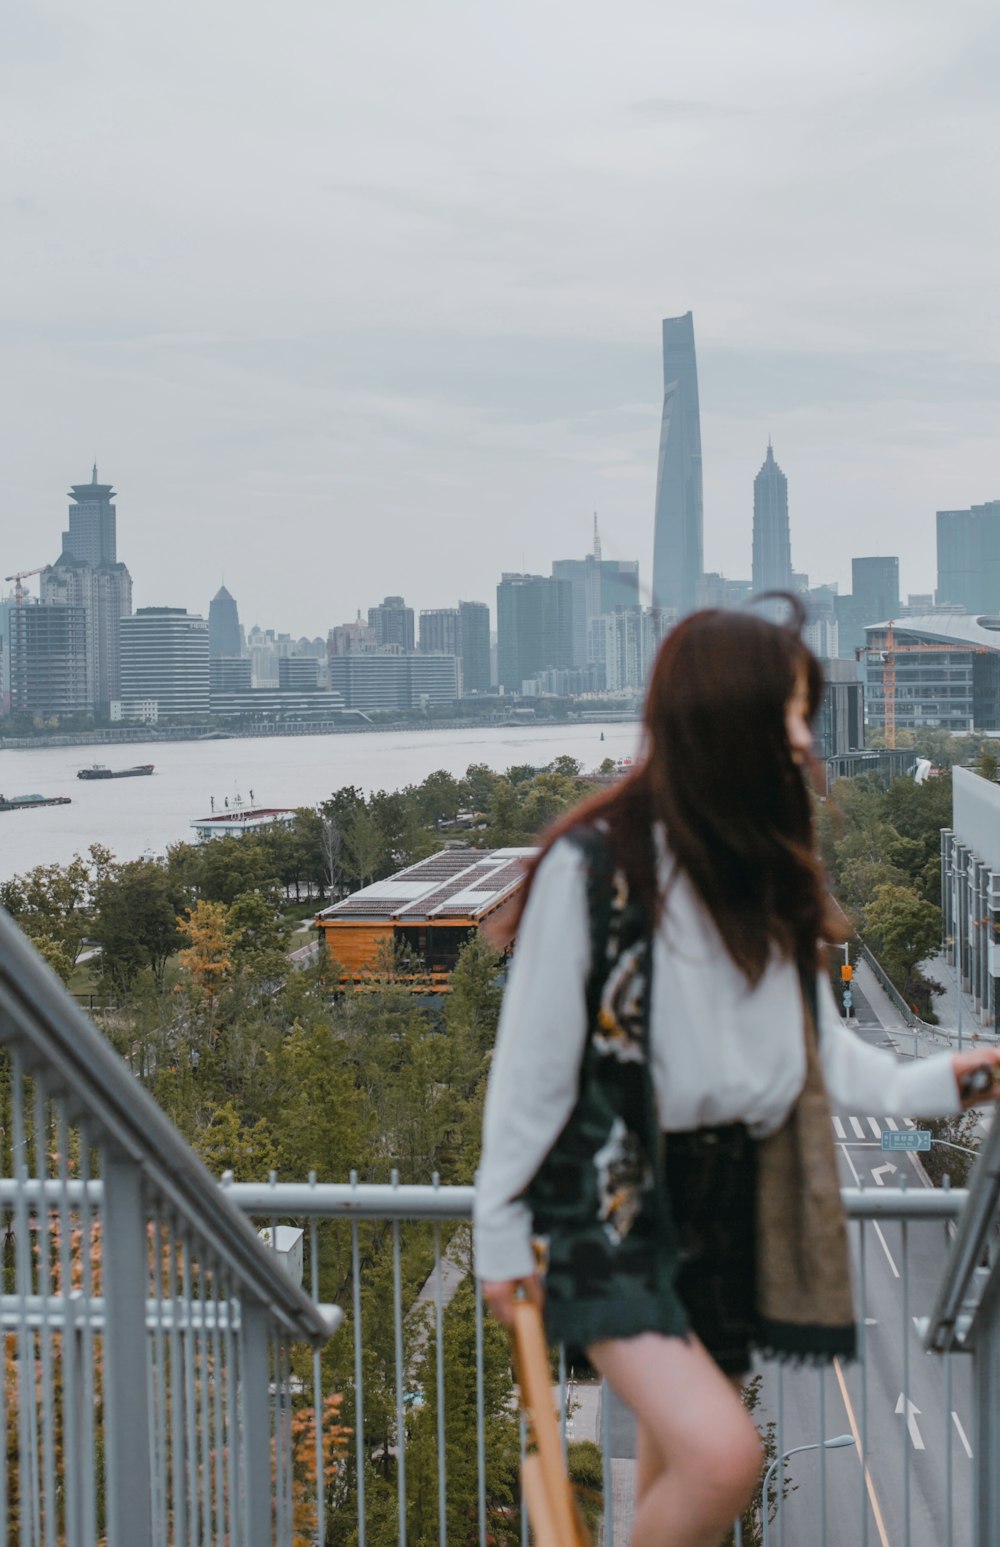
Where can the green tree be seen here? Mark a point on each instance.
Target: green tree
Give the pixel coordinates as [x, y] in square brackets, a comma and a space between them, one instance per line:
[901, 929]
[230, 1144]
[136, 906]
[53, 905]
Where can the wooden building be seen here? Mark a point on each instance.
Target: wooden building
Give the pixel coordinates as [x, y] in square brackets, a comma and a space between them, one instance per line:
[433, 907]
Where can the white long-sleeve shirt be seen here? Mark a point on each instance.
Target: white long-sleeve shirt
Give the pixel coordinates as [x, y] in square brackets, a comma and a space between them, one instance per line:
[720, 1051]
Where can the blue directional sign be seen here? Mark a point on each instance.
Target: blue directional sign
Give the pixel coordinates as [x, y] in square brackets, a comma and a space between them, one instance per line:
[907, 1139]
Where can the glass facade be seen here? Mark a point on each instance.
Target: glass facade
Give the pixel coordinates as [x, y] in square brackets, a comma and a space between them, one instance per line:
[678, 539]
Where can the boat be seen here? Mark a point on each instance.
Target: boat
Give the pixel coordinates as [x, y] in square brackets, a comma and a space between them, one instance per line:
[25, 802]
[100, 771]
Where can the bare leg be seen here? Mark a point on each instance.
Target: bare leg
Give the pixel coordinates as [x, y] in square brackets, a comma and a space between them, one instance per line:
[698, 1451]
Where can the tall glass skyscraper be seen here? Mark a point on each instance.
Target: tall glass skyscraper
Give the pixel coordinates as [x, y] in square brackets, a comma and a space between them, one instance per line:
[772, 547]
[968, 557]
[677, 540]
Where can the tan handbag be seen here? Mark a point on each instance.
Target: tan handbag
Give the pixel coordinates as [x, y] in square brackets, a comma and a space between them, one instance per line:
[553, 1513]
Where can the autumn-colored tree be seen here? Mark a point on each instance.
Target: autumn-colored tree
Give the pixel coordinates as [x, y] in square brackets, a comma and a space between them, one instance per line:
[207, 958]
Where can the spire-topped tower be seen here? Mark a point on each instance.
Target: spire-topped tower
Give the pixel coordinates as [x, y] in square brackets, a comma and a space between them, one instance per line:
[597, 539]
[772, 548]
[92, 534]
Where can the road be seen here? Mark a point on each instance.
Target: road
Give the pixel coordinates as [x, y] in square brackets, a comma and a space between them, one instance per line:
[911, 1413]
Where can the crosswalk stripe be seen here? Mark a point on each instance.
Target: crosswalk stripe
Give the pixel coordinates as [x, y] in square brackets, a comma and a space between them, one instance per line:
[838, 1128]
[890, 1122]
[857, 1127]
[876, 1130]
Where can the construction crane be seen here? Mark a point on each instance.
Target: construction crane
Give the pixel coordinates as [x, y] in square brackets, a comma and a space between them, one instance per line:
[887, 653]
[20, 591]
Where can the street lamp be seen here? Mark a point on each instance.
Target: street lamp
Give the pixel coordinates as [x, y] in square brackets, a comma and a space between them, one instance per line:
[836, 1443]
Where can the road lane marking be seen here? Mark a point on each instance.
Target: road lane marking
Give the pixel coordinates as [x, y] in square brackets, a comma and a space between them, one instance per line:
[890, 1122]
[857, 1127]
[853, 1422]
[838, 1128]
[876, 1130]
[961, 1433]
[885, 1247]
[847, 1156]
[912, 1414]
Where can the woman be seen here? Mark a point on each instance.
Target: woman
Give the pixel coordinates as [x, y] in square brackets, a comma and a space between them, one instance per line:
[667, 982]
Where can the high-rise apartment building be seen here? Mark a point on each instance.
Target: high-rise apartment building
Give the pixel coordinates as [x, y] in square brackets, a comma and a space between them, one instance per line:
[92, 520]
[474, 626]
[225, 637]
[678, 540]
[624, 644]
[534, 627]
[968, 557]
[164, 659]
[48, 660]
[392, 621]
[772, 549]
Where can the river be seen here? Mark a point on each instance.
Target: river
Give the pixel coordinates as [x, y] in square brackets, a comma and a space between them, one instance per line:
[139, 816]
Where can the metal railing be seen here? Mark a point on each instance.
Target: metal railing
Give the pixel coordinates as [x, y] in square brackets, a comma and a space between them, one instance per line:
[906, 1478]
[147, 1393]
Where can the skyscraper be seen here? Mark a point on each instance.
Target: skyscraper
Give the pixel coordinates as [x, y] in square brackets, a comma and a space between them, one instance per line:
[772, 548]
[393, 624]
[599, 586]
[225, 637]
[534, 627]
[474, 633]
[677, 539]
[968, 557]
[87, 574]
[92, 518]
[164, 660]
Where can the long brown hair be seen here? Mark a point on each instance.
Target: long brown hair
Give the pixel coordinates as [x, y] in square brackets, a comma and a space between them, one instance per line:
[718, 772]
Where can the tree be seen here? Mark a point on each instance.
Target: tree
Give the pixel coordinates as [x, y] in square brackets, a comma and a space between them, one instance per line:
[52, 904]
[136, 906]
[902, 929]
[208, 956]
[363, 846]
[229, 1143]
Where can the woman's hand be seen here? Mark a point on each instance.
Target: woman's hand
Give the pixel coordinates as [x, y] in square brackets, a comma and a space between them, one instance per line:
[977, 1075]
[502, 1294]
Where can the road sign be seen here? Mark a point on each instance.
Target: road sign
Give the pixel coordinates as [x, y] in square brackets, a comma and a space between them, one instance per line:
[848, 999]
[846, 972]
[907, 1139]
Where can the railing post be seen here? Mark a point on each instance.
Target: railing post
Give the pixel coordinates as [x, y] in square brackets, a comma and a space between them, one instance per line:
[255, 1375]
[125, 1278]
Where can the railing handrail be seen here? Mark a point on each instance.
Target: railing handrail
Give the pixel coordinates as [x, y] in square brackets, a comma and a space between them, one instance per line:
[381, 1200]
[54, 1036]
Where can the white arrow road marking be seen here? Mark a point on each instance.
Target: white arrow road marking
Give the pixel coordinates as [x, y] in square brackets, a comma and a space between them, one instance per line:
[878, 1172]
[961, 1434]
[911, 1420]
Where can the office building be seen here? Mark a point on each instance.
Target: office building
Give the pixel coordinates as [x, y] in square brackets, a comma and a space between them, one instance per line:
[624, 644]
[771, 569]
[48, 660]
[104, 592]
[229, 674]
[441, 631]
[164, 659]
[92, 523]
[839, 726]
[392, 621]
[298, 674]
[225, 637]
[874, 598]
[534, 628]
[714, 590]
[970, 890]
[474, 631]
[277, 705]
[968, 557]
[392, 680]
[677, 537]
[822, 628]
[946, 668]
[599, 585]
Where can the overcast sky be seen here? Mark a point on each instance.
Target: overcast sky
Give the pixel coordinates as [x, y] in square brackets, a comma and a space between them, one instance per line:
[352, 297]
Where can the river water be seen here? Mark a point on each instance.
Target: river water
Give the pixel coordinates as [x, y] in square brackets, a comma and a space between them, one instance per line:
[138, 816]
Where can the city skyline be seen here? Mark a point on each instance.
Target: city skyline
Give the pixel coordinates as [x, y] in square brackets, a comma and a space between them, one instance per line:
[417, 324]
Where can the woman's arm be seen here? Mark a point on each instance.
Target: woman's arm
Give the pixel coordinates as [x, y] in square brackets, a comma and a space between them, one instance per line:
[873, 1081]
[536, 1063]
